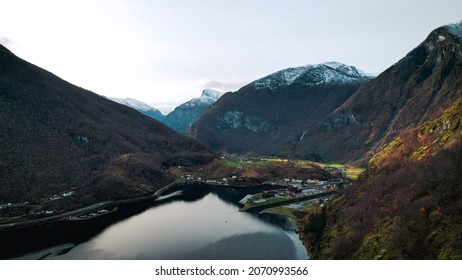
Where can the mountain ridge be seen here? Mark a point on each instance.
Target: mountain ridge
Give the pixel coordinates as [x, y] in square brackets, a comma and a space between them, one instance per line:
[141, 107]
[408, 93]
[269, 115]
[407, 204]
[57, 137]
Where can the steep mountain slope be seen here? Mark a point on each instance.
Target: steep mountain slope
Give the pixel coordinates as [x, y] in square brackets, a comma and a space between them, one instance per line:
[56, 137]
[141, 107]
[408, 204]
[187, 113]
[412, 91]
[271, 115]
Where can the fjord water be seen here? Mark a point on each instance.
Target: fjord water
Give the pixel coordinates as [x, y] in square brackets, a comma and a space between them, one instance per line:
[189, 226]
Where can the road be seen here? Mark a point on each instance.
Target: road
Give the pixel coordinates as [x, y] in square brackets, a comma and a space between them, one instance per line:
[257, 208]
[86, 210]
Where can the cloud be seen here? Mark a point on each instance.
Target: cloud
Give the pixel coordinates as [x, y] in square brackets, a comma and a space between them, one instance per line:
[224, 87]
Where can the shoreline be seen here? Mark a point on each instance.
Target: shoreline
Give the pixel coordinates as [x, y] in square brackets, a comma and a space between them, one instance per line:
[20, 240]
[72, 216]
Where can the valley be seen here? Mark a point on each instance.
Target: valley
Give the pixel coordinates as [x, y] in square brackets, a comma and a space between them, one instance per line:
[233, 171]
[288, 189]
[353, 166]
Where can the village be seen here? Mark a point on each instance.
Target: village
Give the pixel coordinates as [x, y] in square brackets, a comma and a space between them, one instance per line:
[290, 192]
[233, 171]
[36, 209]
[294, 192]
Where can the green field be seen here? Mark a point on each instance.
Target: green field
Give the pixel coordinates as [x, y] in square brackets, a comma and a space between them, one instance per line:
[335, 165]
[266, 202]
[237, 164]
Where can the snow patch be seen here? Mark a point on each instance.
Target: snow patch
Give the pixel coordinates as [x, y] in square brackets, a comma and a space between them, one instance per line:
[208, 97]
[318, 74]
[281, 78]
[133, 103]
[441, 38]
[455, 29]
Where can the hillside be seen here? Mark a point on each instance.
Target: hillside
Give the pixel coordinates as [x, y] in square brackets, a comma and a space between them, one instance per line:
[414, 90]
[271, 115]
[407, 204]
[187, 113]
[56, 137]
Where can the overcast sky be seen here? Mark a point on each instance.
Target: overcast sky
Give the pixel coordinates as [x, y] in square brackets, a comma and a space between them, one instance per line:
[167, 51]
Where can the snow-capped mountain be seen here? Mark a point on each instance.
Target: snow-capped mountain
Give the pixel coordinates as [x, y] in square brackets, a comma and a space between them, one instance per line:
[140, 107]
[208, 97]
[271, 114]
[328, 73]
[334, 106]
[187, 113]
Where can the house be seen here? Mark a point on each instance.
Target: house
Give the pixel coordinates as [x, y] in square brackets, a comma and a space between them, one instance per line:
[66, 194]
[293, 189]
[246, 199]
[268, 194]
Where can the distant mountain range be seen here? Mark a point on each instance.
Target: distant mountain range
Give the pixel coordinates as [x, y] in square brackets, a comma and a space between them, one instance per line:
[187, 113]
[183, 116]
[140, 107]
[57, 137]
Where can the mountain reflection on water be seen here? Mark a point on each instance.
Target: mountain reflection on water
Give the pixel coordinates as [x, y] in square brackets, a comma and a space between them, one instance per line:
[188, 226]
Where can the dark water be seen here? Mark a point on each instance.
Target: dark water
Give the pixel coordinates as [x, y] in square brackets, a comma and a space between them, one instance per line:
[188, 224]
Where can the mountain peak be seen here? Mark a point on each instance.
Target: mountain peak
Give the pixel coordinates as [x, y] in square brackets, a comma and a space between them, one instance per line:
[327, 73]
[211, 93]
[208, 97]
